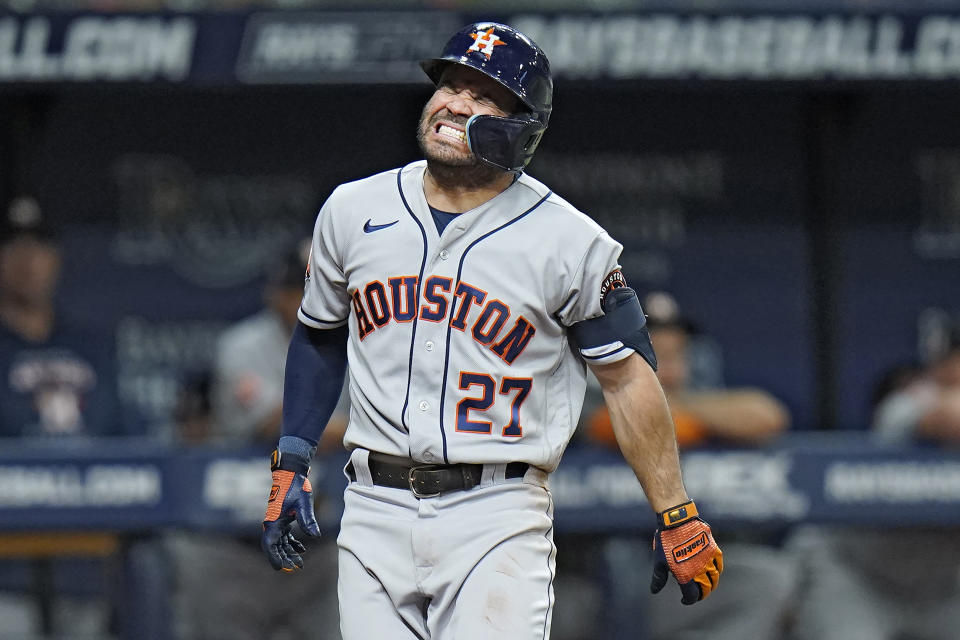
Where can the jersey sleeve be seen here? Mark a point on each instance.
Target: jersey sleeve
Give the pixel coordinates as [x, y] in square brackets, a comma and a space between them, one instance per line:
[326, 303]
[597, 273]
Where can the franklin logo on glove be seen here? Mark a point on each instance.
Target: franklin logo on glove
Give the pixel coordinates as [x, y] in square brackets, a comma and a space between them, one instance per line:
[688, 549]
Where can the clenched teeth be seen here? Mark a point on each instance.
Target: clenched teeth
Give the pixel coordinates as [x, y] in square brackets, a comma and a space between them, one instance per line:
[444, 130]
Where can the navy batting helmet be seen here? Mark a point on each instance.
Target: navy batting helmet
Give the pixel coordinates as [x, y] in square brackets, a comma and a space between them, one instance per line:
[516, 62]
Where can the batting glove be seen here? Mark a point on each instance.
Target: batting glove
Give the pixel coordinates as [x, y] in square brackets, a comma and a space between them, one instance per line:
[291, 498]
[684, 546]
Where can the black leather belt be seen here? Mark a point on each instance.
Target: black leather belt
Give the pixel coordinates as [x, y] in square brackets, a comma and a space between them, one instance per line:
[430, 480]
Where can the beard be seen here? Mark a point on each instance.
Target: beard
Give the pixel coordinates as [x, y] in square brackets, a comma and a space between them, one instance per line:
[449, 166]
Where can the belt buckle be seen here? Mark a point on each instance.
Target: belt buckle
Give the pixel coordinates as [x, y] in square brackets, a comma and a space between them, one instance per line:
[413, 488]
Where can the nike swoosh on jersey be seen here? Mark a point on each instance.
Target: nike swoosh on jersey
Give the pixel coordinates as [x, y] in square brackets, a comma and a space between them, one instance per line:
[370, 228]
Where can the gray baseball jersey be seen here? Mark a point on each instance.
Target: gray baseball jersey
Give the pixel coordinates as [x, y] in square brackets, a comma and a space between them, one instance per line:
[458, 348]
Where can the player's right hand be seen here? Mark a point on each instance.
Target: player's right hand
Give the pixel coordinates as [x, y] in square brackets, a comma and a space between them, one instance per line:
[291, 498]
[684, 546]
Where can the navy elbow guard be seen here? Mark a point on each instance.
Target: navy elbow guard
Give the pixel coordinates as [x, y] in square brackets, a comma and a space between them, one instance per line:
[623, 326]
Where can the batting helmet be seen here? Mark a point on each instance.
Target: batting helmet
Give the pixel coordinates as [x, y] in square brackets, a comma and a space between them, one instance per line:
[516, 62]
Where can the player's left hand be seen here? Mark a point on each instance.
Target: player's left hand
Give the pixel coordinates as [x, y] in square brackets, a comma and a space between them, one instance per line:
[291, 498]
[684, 546]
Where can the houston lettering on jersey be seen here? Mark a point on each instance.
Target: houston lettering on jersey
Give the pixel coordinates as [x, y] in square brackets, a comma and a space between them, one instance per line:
[467, 308]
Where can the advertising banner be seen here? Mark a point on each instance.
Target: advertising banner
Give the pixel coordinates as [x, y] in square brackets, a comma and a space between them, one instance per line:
[369, 46]
[845, 481]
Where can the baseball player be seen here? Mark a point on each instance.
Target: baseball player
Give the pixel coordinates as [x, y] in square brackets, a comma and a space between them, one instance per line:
[468, 299]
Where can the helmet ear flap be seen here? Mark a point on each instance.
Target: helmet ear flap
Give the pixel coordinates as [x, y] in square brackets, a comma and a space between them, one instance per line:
[505, 143]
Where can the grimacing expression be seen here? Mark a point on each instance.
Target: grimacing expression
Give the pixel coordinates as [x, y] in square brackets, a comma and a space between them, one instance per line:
[462, 92]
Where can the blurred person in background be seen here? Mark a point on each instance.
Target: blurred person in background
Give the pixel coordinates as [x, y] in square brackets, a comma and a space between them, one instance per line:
[56, 378]
[223, 589]
[701, 416]
[247, 391]
[922, 404]
[891, 584]
[759, 578]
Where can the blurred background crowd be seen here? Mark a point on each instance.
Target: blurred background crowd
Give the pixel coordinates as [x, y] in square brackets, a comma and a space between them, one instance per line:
[785, 178]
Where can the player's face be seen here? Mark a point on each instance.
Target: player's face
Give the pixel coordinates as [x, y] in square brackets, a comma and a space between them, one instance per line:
[462, 92]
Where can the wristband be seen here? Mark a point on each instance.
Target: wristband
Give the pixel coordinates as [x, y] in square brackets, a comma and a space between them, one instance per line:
[676, 516]
[280, 461]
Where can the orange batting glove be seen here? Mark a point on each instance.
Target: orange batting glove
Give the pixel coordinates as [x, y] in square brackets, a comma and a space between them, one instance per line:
[291, 498]
[684, 546]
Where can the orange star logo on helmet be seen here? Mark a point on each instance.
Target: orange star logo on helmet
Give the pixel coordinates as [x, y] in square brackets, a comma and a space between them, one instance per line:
[485, 41]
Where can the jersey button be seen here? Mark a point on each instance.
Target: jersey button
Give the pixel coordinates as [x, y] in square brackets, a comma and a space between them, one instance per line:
[428, 345]
[428, 456]
[444, 254]
[424, 405]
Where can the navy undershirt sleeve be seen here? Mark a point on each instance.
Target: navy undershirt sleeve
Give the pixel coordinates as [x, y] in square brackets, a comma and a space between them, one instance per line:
[316, 365]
